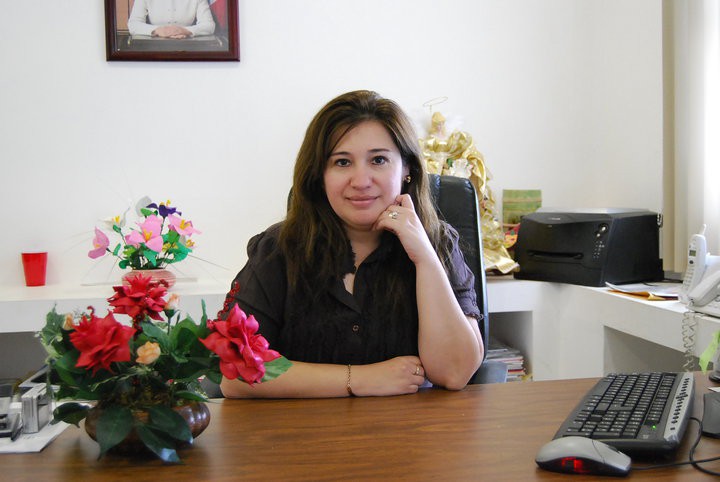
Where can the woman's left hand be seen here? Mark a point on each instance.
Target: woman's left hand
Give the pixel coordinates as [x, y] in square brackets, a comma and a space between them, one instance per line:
[400, 218]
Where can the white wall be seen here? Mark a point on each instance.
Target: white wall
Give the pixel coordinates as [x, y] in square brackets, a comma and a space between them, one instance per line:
[561, 95]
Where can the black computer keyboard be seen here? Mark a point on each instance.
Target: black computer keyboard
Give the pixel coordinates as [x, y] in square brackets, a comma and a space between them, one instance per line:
[634, 412]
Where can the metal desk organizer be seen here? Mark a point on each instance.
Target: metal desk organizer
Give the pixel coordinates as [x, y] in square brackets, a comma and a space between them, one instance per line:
[36, 401]
[36, 408]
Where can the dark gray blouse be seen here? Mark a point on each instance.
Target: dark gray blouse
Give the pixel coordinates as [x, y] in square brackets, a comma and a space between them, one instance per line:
[338, 327]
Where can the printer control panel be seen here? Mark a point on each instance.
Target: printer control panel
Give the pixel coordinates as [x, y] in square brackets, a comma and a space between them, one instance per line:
[600, 235]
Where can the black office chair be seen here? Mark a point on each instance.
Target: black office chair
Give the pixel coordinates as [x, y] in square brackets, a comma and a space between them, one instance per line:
[456, 203]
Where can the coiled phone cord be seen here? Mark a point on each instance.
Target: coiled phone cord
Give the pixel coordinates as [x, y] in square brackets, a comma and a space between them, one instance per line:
[689, 326]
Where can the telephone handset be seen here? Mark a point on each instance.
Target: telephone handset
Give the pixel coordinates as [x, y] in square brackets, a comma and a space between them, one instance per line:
[697, 258]
[706, 291]
[701, 284]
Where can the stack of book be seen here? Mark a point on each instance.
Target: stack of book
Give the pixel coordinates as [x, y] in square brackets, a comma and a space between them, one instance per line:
[512, 357]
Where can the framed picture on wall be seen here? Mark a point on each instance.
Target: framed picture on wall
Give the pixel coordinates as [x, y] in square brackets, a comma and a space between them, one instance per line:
[172, 30]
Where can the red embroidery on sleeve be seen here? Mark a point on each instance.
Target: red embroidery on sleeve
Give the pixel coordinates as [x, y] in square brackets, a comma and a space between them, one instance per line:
[229, 300]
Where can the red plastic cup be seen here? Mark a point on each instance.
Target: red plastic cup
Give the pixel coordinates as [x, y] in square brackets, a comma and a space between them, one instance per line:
[35, 265]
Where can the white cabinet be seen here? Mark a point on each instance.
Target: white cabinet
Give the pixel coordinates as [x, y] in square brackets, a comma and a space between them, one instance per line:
[572, 331]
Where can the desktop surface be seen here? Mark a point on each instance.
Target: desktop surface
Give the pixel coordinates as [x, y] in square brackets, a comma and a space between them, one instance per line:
[488, 432]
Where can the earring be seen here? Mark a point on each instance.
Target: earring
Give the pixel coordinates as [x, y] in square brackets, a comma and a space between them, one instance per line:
[407, 179]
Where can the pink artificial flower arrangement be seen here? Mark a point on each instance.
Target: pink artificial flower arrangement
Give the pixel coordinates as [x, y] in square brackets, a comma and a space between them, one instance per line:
[162, 237]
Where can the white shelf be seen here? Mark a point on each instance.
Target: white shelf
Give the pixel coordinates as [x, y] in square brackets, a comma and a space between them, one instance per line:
[23, 309]
[508, 295]
[565, 331]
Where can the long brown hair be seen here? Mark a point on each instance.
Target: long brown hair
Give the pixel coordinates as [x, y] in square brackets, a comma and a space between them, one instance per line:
[313, 239]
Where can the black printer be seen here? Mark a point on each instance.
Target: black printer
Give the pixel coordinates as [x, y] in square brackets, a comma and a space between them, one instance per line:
[589, 247]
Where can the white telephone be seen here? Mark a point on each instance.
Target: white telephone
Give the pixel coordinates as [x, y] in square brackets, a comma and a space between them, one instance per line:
[701, 284]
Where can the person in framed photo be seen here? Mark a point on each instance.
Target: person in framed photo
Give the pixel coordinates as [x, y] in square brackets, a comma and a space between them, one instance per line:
[173, 19]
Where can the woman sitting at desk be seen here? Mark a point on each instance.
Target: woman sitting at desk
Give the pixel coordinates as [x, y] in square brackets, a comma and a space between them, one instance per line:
[361, 286]
[171, 18]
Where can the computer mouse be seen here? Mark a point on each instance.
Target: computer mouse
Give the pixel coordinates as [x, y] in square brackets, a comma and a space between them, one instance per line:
[711, 414]
[582, 455]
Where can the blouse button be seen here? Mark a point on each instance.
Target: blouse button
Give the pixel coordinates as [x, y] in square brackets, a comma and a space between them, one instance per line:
[356, 328]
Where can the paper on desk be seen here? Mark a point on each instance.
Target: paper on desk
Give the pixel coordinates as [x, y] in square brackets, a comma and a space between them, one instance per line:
[31, 442]
[649, 291]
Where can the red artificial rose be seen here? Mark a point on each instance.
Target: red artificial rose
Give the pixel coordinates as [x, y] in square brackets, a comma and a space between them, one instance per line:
[101, 341]
[242, 351]
[142, 297]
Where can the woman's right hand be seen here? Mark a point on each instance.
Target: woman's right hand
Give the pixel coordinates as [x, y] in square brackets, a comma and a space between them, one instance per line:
[396, 376]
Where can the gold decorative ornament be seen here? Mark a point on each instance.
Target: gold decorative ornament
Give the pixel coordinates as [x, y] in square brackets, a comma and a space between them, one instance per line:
[456, 155]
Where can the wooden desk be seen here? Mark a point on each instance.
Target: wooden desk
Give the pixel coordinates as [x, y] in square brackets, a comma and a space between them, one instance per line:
[486, 432]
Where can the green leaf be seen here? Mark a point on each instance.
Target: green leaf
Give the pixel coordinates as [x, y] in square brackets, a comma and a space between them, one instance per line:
[71, 412]
[55, 319]
[171, 237]
[179, 251]
[66, 370]
[179, 255]
[151, 256]
[85, 394]
[68, 362]
[161, 446]
[215, 376]
[189, 370]
[187, 325]
[153, 331]
[52, 328]
[188, 395]
[185, 338]
[190, 324]
[709, 353]
[147, 212]
[116, 250]
[113, 425]
[168, 421]
[276, 367]
[203, 319]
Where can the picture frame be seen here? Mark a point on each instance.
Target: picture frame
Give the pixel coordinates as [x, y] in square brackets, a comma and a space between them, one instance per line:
[202, 30]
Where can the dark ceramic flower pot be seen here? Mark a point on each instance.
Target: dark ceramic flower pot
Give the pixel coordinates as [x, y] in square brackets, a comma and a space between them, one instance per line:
[196, 414]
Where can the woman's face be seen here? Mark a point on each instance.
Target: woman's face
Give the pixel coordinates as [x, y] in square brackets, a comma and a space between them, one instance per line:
[364, 175]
